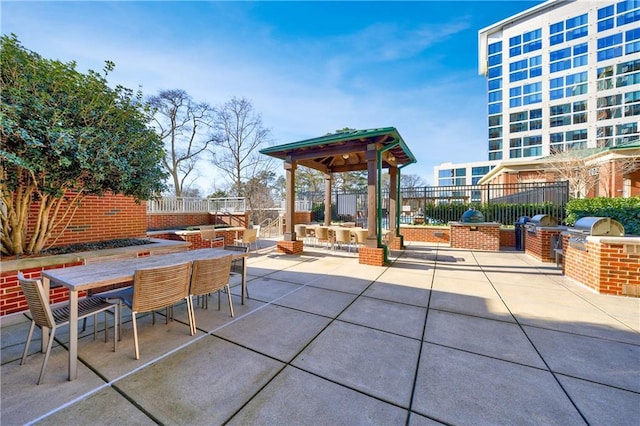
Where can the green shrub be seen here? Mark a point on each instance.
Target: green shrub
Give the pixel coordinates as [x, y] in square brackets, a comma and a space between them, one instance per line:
[624, 210]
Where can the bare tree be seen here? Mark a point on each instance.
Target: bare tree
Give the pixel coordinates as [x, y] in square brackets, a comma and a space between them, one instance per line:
[186, 128]
[242, 134]
[585, 172]
[574, 167]
[411, 181]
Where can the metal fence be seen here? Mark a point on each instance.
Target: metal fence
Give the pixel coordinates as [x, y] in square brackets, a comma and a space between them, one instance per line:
[503, 203]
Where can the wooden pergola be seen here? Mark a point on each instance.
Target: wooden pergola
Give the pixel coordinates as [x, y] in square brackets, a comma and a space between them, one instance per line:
[371, 150]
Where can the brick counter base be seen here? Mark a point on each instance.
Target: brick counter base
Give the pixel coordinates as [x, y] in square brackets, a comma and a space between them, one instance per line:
[539, 244]
[475, 236]
[609, 265]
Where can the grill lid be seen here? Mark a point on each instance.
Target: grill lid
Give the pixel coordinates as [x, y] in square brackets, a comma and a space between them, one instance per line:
[599, 226]
[543, 220]
[472, 216]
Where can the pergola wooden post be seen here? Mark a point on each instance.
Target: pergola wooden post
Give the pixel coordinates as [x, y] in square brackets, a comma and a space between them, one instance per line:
[393, 200]
[290, 189]
[372, 195]
[328, 178]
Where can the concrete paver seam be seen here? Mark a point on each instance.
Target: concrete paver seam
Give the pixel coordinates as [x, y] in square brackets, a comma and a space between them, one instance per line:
[544, 361]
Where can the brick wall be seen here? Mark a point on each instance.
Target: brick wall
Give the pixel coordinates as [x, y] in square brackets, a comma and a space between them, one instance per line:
[99, 218]
[608, 266]
[183, 220]
[12, 297]
[475, 236]
[176, 220]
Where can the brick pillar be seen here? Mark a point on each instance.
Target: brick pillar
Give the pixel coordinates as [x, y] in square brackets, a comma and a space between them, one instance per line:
[371, 256]
[290, 247]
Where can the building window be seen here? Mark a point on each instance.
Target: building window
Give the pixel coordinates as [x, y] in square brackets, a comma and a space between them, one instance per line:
[495, 156]
[525, 43]
[495, 144]
[531, 93]
[610, 47]
[628, 11]
[608, 107]
[495, 47]
[627, 132]
[604, 136]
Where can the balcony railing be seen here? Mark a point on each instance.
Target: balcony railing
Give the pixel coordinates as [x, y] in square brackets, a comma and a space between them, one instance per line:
[196, 205]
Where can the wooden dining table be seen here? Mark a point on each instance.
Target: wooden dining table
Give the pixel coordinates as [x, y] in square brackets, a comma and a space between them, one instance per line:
[96, 275]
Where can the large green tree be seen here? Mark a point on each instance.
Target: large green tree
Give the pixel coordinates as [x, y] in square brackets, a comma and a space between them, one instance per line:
[65, 135]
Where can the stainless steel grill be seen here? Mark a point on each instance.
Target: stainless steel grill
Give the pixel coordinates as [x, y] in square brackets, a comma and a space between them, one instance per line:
[540, 220]
[597, 226]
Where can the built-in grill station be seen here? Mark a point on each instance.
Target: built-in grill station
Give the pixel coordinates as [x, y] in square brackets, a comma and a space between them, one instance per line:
[593, 226]
[540, 220]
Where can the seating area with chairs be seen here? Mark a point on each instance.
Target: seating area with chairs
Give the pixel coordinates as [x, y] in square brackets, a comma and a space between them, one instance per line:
[52, 317]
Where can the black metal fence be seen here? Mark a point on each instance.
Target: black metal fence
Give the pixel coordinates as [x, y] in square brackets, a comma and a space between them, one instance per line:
[503, 203]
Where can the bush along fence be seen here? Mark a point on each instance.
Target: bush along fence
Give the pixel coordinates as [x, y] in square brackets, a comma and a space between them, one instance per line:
[503, 203]
[624, 210]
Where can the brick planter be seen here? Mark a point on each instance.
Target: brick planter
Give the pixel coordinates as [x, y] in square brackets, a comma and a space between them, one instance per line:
[475, 236]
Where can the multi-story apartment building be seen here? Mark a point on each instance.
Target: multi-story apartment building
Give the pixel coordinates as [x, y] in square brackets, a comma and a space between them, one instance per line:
[562, 75]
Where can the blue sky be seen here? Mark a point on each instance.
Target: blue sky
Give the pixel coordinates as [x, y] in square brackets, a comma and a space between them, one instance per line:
[309, 68]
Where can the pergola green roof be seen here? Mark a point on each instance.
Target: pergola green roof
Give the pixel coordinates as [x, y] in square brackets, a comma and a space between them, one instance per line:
[345, 151]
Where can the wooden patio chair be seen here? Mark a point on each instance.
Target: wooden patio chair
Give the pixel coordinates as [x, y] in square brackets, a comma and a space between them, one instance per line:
[158, 288]
[208, 276]
[44, 315]
[208, 234]
[112, 294]
[249, 236]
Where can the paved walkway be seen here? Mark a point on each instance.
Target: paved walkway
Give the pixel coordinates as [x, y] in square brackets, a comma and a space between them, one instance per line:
[441, 336]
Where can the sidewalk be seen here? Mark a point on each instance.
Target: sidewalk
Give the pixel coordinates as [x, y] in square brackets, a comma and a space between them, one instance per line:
[441, 336]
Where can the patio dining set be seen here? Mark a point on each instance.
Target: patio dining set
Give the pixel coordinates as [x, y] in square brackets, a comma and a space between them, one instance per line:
[145, 284]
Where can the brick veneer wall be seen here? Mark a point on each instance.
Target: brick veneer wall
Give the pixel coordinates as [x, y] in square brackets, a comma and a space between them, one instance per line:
[99, 218]
[485, 237]
[427, 234]
[13, 300]
[539, 244]
[507, 237]
[183, 220]
[608, 265]
[176, 220]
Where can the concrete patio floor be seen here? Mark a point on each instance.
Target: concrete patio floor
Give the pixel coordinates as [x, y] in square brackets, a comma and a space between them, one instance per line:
[441, 336]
